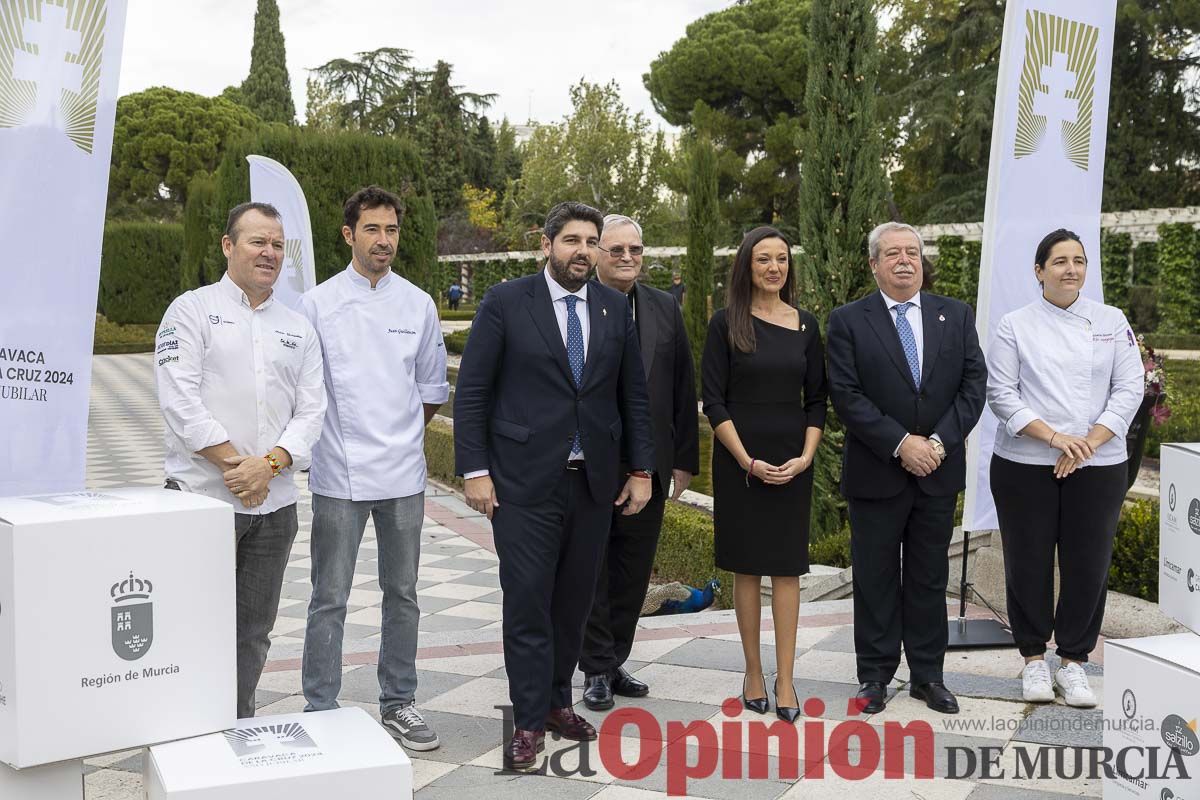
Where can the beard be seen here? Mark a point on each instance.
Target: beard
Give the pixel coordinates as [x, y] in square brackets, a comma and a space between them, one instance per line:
[561, 272]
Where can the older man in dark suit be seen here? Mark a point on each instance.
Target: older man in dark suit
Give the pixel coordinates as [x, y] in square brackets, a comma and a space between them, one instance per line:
[907, 377]
[550, 391]
[632, 540]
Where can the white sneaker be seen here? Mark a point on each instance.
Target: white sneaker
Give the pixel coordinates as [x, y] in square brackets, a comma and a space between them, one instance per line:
[1072, 683]
[1036, 686]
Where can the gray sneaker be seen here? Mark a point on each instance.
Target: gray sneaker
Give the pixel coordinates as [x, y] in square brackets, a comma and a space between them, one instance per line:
[408, 727]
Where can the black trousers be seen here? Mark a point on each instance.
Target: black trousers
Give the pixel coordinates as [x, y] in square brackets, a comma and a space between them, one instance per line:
[621, 586]
[549, 556]
[1077, 516]
[900, 600]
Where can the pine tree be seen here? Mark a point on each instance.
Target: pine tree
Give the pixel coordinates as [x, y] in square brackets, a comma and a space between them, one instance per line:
[703, 219]
[842, 182]
[267, 91]
[442, 137]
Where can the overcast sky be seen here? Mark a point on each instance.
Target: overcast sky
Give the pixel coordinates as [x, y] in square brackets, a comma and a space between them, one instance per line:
[528, 51]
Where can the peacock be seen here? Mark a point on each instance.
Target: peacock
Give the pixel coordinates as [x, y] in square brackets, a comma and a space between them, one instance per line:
[678, 598]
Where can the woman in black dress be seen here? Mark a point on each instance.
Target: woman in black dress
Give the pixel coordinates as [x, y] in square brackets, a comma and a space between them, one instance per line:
[764, 394]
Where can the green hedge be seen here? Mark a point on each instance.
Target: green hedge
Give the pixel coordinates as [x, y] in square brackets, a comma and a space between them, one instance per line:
[456, 342]
[439, 453]
[462, 315]
[1145, 263]
[486, 274]
[957, 269]
[203, 262]
[1116, 251]
[1134, 568]
[1183, 398]
[139, 271]
[330, 167]
[1143, 309]
[1168, 341]
[1178, 300]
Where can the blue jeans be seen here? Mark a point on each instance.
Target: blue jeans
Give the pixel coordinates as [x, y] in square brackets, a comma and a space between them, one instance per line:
[337, 531]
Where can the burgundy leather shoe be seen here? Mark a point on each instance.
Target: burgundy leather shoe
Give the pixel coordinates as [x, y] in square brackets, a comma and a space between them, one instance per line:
[521, 751]
[570, 725]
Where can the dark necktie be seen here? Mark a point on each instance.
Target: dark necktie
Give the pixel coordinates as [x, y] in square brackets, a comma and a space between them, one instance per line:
[574, 357]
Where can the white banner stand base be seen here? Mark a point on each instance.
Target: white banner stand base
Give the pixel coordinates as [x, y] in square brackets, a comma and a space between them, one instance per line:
[62, 781]
[117, 613]
[315, 756]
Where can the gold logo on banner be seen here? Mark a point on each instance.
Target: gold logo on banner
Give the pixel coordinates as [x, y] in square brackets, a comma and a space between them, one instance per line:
[50, 54]
[1058, 87]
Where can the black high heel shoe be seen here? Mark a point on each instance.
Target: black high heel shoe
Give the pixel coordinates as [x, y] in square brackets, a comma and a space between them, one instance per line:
[759, 705]
[786, 713]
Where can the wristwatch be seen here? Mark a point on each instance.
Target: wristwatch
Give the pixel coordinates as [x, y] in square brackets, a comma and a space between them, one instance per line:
[939, 448]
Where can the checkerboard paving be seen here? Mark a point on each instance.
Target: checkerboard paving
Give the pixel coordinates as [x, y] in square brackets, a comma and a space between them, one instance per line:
[692, 663]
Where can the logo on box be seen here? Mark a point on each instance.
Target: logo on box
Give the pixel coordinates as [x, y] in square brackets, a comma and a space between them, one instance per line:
[271, 745]
[1180, 735]
[132, 621]
[1171, 497]
[1191, 580]
[1194, 516]
[1128, 703]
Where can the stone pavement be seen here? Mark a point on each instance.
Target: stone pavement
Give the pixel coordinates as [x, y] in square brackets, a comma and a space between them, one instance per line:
[692, 662]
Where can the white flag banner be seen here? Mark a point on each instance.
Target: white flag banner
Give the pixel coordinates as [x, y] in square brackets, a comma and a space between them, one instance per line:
[59, 64]
[1046, 172]
[271, 182]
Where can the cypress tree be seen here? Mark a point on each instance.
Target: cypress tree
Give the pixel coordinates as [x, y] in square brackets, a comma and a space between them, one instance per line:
[842, 182]
[442, 138]
[267, 91]
[703, 218]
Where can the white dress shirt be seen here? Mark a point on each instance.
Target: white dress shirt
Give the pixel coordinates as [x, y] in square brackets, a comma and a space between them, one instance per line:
[917, 323]
[227, 372]
[558, 302]
[384, 358]
[1071, 368]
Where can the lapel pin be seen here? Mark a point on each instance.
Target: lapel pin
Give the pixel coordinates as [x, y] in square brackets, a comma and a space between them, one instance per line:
[803, 327]
[941, 317]
[604, 311]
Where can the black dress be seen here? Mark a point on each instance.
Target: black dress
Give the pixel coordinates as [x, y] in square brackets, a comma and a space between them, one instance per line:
[773, 395]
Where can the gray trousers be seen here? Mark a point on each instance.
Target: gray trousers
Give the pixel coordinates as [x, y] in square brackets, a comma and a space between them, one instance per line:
[337, 531]
[264, 543]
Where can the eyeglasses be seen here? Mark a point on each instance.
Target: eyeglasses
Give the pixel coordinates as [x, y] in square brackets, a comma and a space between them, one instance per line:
[619, 252]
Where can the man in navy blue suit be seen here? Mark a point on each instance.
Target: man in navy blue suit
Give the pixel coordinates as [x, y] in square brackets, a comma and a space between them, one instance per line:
[907, 377]
[550, 387]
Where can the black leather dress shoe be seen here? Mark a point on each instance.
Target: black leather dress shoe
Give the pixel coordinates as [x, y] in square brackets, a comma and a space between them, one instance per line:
[598, 692]
[626, 685]
[872, 697]
[936, 696]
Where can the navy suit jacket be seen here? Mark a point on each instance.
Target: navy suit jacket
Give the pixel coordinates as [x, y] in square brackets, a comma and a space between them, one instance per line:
[516, 407]
[874, 395]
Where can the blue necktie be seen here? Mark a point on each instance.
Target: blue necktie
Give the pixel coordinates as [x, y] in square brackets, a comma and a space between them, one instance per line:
[908, 341]
[575, 355]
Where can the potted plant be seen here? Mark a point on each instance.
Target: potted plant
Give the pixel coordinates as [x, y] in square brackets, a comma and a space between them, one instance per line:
[1153, 410]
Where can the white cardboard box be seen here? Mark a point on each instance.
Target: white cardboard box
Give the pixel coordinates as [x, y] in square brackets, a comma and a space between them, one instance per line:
[1179, 534]
[325, 754]
[63, 781]
[117, 622]
[1152, 702]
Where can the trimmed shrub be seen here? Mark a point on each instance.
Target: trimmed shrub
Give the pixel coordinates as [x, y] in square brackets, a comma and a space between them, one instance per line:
[948, 277]
[1178, 303]
[1115, 260]
[331, 167]
[202, 262]
[139, 271]
[1134, 568]
[486, 274]
[456, 342]
[1168, 341]
[685, 551]
[1145, 263]
[439, 453]
[832, 551]
[1143, 308]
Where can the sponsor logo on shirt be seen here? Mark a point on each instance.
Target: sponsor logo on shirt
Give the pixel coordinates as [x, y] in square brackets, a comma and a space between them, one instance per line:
[215, 319]
[169, 344]
[167, 360]
[290, 344]
[165, 332]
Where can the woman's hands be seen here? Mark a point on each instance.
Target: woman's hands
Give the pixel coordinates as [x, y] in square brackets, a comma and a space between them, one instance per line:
[779, 475]
[1075, 450]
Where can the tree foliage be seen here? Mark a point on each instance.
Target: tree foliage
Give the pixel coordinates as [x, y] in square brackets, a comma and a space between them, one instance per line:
[938, 83]
[162, 138]
[738, 75]
[703, 222]
[842, 181]
[267, 90]
[601, 155]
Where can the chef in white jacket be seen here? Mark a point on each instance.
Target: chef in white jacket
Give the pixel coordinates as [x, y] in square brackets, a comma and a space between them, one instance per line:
[1065, 379]
[385, 375]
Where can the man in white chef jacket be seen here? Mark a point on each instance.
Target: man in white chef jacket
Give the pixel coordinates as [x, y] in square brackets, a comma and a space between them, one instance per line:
[240, 388]
[385, 375]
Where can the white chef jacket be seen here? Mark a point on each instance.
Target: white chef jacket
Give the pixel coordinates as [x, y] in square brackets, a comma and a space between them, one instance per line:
[384, 358]
[227, 372]
[1070, 368]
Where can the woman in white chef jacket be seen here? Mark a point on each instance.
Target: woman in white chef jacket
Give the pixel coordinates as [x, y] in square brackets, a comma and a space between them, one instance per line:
[1064, 380]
